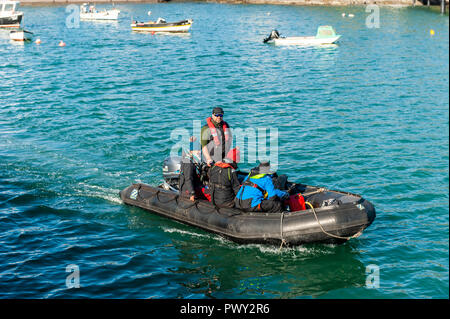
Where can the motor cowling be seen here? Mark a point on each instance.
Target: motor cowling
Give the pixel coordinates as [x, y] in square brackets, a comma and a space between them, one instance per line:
[273, 35]
[171, 170]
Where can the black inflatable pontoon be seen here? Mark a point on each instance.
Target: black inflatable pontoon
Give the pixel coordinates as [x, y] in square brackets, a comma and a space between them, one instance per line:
[333, 218]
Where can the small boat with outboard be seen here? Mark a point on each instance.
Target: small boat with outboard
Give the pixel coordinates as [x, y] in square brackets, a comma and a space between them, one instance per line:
[329, 216]
[9, 17]
[21, 35]
[89, 12]
[325, 35]
[161, 25]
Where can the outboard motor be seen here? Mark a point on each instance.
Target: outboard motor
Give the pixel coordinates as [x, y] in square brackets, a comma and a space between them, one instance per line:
[171, 171]
[273, 35]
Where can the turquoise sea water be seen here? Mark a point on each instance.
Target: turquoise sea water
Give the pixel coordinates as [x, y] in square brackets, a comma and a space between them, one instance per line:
[80, 123]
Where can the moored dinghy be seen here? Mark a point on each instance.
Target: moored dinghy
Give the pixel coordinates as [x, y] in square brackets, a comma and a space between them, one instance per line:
[91, 13]
[325, 35]
[21, 35]
[330, 216]
[161, 25]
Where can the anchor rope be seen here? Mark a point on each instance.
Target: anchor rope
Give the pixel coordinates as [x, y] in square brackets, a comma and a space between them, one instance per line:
[327, 233]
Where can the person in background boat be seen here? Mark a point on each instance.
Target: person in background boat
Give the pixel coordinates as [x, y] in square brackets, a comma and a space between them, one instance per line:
[258, 192]
[216, 138]
[223, 181]
[190, 171]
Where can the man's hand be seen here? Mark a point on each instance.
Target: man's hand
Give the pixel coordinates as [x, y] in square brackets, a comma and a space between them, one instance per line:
[192, 198]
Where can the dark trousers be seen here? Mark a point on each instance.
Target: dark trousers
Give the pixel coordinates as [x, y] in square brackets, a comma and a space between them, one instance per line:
[226, 205]
[271, 206]
[267, 205]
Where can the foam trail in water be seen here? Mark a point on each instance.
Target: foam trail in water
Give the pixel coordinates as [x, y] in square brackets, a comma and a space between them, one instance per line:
[109, 194]
[266, 249]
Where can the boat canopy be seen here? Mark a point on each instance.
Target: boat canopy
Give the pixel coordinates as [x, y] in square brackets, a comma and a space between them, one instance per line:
[8, 6]
[325, 31]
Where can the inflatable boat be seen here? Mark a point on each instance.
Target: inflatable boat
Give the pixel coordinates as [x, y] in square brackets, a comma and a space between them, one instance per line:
[330, 216]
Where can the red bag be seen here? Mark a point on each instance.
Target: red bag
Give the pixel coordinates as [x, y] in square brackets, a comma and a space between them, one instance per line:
[202, 193]
[296, 203]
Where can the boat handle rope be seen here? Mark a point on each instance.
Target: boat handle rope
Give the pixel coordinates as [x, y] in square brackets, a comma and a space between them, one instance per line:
[320, 190]
[327, 233]
[176, 199]
[157, 197]
[185, 208]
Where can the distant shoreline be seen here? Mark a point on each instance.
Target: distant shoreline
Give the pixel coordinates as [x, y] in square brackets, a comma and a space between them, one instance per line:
[394, 3]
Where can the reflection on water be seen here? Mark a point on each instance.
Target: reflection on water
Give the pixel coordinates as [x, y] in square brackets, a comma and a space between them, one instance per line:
[225, 269]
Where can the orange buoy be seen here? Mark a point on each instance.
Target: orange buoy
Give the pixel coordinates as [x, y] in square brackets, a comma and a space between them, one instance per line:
[38, 41]
[61, 43]
[153, 32]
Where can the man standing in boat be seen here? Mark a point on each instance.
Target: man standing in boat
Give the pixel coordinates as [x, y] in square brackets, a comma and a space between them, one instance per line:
[216, 138]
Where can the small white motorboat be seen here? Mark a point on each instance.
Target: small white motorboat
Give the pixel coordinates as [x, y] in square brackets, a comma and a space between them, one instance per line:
[21, 35]
[161, 25]
[325, 35]
[88, 12]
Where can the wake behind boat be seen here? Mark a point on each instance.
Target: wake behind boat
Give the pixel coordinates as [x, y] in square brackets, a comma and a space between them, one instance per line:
[161, 25]
[325, 35]
[330, 216]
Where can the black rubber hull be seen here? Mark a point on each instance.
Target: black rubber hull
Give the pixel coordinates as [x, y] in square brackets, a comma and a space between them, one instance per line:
[291, 228]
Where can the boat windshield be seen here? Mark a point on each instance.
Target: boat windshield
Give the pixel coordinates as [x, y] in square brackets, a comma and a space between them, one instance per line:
[325, 32]
[9, 7]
